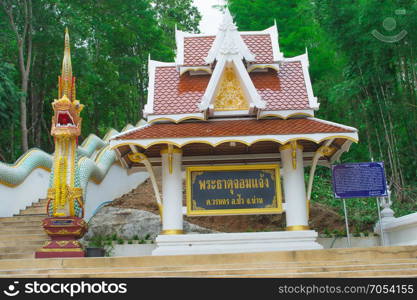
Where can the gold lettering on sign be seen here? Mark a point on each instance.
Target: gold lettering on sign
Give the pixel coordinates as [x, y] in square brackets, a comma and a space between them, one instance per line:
[231, 184]
[230, 95]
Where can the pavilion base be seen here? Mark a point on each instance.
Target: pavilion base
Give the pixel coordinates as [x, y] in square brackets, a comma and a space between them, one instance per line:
[215, 243]
[64, 232]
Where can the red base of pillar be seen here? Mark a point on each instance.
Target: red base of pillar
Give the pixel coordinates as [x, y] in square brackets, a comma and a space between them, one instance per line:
[64, 232]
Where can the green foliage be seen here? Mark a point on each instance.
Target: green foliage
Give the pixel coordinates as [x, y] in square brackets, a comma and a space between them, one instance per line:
[97, 241]
[360, 80]
[104, 242]
[9, 95]
[110, 44]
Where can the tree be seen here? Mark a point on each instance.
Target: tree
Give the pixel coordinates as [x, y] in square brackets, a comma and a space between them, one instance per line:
[9, 95]
[110, 41]
[20, 20]
[360, 80]
[180, 13]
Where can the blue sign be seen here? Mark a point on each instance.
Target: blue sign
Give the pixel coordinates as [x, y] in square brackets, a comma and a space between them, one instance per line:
[359, 180]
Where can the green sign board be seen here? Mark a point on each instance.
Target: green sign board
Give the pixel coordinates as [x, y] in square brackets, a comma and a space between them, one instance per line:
[233, 190]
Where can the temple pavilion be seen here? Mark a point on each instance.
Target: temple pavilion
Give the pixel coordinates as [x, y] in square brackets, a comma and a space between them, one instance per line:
[232, 99]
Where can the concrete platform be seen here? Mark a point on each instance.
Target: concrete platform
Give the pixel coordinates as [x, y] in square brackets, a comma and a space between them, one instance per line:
[358, 262]
[215, 243]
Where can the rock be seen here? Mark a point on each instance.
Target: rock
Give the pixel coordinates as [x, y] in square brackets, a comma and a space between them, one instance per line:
[128, 222]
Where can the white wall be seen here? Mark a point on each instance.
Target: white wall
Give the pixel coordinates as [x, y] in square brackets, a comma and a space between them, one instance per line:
[133, 250]
[115, 184]
[400, 231]
[33, 188]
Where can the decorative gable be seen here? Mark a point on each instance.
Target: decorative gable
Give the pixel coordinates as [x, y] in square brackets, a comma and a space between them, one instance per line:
[230, 74]
[230, 87]
[230, 95]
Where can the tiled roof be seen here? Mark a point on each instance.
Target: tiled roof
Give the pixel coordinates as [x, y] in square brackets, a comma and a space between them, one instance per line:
[282, 91]
[196, 48]
[232, 128]
[260, 45]
[175, 94]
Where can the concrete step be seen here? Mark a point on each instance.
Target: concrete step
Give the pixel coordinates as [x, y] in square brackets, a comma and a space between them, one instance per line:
[385, 273]
[15, 237]
[22, 218]
[6, 232]
[37, 206]
[228, 270]
[289, 257]
[33, 211]
[40, 203]
[354, 262]
[18, 256]
[26, 246]
[286, 259]
[30, 224]
[338, 274]
[22, 234]
[22, 242]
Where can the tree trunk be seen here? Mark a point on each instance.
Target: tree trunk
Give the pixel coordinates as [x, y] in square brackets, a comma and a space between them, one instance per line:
[23, 115]
[23, 38]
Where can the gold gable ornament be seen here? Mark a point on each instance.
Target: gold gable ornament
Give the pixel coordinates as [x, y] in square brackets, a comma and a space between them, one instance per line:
[230, 95]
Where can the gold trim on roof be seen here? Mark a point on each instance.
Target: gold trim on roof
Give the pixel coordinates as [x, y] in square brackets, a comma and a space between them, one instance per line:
[177, 121]
[237, 140]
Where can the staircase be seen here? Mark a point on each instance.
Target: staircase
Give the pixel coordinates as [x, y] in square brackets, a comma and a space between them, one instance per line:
[22, 234]
[359, 262]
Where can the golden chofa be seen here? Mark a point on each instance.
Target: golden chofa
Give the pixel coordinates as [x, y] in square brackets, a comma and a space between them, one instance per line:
[66, 120]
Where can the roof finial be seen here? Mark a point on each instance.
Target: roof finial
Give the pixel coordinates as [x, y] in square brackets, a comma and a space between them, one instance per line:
[228, 42]
[66, 80]
[227, 22]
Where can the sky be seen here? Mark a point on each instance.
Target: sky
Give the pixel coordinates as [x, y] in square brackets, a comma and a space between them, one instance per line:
[211, 17]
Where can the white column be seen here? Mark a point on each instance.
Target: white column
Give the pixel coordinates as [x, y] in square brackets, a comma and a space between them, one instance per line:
[294, 186]
[172, 220]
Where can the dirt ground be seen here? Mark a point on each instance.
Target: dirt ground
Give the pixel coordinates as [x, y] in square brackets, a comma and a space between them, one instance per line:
[321, 217]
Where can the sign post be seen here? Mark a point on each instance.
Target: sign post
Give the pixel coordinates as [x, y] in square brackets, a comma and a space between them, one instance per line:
[380, 222]
[359, 180]
[347, 224]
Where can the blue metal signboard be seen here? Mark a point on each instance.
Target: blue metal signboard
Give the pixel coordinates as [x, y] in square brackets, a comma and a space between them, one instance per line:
[359, 180]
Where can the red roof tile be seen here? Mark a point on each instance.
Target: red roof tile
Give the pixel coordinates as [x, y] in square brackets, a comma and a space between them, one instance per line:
[196, 48]
[176, 94]
[261, 46]
[232, 128]
[282, 91]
